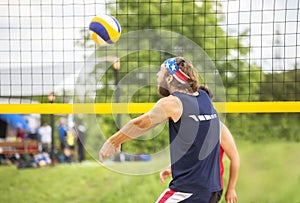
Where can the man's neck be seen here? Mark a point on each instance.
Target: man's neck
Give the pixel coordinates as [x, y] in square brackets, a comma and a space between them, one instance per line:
[185, 91]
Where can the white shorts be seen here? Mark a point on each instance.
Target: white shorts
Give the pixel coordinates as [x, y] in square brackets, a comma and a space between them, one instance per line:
[171, 196]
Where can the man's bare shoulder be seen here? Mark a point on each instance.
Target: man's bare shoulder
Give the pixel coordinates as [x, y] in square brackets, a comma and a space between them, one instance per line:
[172, 106]
[169, 101]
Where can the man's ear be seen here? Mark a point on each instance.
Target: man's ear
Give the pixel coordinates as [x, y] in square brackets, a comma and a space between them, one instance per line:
[169, 79]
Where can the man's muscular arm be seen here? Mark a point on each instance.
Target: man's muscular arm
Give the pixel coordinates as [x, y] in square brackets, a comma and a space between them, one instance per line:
[165, 108]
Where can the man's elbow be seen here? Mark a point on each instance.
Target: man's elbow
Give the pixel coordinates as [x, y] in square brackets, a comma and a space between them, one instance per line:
[142, 123]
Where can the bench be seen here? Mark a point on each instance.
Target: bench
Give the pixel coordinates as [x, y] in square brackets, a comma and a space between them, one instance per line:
[19, 147]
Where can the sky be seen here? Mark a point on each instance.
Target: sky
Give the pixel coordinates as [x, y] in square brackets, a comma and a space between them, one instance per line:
[38, 47]
[38, 39]
[273, 30]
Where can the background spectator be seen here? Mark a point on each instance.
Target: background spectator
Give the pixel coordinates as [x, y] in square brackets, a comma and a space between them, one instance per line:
[80, 142]
[62, 132]
[45, 132]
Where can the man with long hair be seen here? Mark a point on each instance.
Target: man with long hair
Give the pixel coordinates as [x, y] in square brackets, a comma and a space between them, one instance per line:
[194, 131]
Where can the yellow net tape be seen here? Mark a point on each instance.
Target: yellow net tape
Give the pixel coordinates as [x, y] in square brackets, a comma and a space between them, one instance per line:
[137, 108]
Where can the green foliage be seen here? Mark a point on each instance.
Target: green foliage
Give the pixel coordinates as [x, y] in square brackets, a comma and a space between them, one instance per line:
[201, 23]
[196, 21]
[242, 81]
[264, 127]
[282, 86]
[135, 73]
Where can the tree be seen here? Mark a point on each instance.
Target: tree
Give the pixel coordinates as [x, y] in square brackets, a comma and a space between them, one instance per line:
[281, 86]
[198, 21]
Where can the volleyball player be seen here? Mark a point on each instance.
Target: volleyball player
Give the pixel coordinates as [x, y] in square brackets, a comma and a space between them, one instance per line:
[194, 129]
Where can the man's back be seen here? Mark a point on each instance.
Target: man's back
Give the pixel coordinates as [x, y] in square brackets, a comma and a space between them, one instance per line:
[194, 143]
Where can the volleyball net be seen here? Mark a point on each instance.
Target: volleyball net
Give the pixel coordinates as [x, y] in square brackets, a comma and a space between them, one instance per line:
[246, 52]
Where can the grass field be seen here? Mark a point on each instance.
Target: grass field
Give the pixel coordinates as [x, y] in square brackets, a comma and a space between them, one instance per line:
[270, 173]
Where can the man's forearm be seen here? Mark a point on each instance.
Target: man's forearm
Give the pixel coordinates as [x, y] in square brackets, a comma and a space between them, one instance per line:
[118, 138]
[133, 129]
[233, 175]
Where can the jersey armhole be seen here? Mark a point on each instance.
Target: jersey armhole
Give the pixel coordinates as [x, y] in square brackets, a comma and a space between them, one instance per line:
[181, 109]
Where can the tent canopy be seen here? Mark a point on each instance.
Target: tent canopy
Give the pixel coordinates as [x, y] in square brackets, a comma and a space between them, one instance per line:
[15, 120]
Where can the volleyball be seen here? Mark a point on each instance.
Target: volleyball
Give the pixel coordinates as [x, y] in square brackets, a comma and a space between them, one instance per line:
[105, 30]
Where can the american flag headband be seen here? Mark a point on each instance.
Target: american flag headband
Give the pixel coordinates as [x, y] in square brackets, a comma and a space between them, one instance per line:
[174, 70]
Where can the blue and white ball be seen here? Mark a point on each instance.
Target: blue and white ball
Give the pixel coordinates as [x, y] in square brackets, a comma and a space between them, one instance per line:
[105, 30]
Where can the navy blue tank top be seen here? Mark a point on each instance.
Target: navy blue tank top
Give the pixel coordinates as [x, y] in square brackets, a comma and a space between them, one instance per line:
[195, 146]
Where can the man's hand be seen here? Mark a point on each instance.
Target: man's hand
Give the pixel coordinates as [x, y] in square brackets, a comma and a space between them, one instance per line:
[163, 175]
[231, 196]
[107, 151]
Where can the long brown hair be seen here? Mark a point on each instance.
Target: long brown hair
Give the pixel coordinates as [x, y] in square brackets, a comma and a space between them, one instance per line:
[186, 66]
